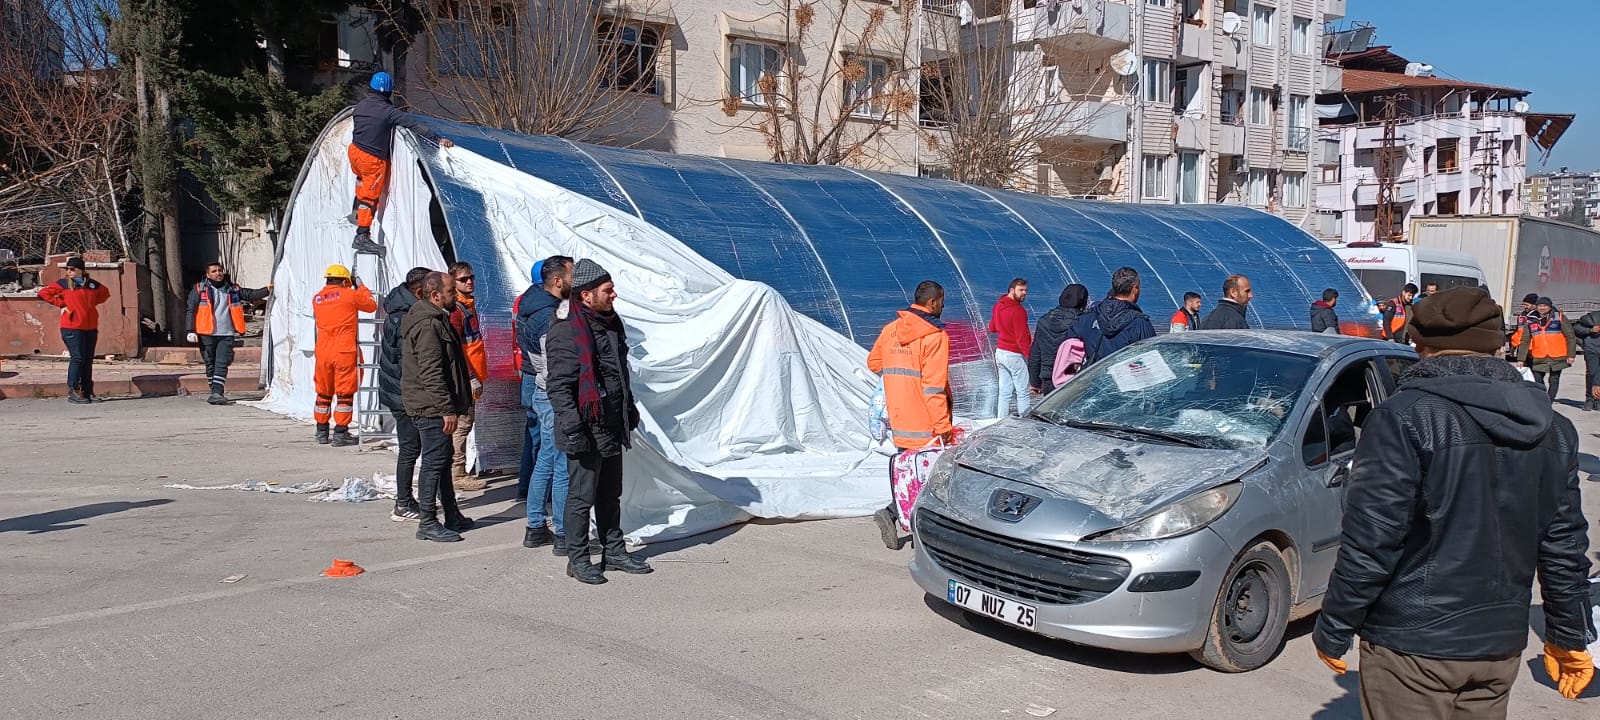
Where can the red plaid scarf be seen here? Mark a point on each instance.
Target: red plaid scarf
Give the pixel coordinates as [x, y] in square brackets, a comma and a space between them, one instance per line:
[588, 372]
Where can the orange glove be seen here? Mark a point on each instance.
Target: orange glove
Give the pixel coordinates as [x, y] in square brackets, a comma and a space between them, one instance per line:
[1335, 664]
[1571, 669]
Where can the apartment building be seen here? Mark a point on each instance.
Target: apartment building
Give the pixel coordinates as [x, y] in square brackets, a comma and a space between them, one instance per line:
[1397, 143]
[30, 39]
[1554, 194]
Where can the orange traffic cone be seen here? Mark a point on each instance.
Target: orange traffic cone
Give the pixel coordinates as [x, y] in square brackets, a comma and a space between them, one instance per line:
[343, 568]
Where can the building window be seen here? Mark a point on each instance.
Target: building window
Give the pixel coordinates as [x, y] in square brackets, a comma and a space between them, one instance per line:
[1294, 190]
[1157, 81]
[1256, 189]
[1300, 36]
[1330, 224]
[1448, 160]
[1260, 106]
[748, 63]
[1189, 177]
[1332, 174]
[1157, 3]
[1155, 177]
[473, 41]
[867, 97]
[1449, 203]
[629, 53]
[1262, 27]
[1299, 123]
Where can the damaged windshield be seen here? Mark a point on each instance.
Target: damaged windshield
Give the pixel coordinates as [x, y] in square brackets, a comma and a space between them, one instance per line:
[1216, 396]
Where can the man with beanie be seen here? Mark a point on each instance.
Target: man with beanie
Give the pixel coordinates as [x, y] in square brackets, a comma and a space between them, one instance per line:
[1549, 345]
[373, 123]
[1050, 332]
[336, 372]
[1530, 304]
[79, 298]
[1464, 487]
[543, 473]
[586, 351]
[216, 320]
[435, 388]
[1009, 322]
[464, 318]
[395, 306]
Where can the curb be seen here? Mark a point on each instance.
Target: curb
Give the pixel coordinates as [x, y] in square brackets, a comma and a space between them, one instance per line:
[152, 385]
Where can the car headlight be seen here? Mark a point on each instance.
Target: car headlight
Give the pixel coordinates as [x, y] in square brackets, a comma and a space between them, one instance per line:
[937, 483]
[1184, 516]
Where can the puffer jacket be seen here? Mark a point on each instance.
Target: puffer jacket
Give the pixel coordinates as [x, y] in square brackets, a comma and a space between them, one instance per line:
[1109, 326]
[395, 306]
[1587, 329]
[1227, 315]
[536, 308]
[1465, 485]
[1049, 334]
[575, 435]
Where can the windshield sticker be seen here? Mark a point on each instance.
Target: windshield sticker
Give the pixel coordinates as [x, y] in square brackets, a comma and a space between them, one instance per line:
[1142, 372]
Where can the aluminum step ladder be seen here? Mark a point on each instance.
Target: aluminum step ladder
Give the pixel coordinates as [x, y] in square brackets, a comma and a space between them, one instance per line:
[372, 422]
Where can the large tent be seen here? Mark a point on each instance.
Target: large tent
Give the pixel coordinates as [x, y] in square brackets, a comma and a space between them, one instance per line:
[751, 292]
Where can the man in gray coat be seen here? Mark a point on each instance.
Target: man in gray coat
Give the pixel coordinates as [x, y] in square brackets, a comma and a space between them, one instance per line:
[435, 388]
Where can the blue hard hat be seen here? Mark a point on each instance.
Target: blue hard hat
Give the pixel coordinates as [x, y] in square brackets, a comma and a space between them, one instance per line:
[538, 272]
[382, 82]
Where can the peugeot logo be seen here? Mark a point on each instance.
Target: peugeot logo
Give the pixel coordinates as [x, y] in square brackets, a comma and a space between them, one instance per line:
[1011, 506]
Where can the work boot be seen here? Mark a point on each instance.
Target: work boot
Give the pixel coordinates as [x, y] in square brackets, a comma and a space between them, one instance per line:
[342, 437]
[559, 547]
[430, 529]
[77, 399]
[364, 245]
[404, 512]
[586, 572]
[322, 434]
[217, 398]
[628, 563]
[535, 537]
[458, 522]
[468, 483]
[888, 528]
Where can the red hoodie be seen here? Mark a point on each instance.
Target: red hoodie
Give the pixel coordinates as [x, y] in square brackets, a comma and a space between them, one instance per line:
[1010, 321]
[77, 302]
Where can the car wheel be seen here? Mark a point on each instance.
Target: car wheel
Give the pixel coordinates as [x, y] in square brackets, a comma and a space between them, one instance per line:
[1251, 614]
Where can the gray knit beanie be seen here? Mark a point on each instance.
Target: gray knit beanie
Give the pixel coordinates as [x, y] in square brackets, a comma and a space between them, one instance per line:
[588, 275]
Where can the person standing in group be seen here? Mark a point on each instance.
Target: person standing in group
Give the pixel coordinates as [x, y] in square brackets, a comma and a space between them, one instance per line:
[1323, 318]
[544, 467]
[1394, 314]
[1115, 322]
[1186, 318]
[1009, 321]
[464, 318]
[390, 368]
[586, 354]
[79, 297]
[1229, 314]
[1048, 335]
[337, 372]
[1429, 289]
[912, 355]
[1463, 489]
[371, 139]
[1530, 310]
[216, 320]
[1551, 345]
[436, 388]
[1587, 329]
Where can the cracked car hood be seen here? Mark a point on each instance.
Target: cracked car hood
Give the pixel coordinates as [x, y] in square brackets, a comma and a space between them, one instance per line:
[1118, 480]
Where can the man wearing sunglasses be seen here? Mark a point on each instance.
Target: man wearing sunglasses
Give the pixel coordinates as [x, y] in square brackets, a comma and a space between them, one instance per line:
[464, 318]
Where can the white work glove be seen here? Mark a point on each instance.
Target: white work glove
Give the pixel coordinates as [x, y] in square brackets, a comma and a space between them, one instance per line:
[477, 389]
[194, 338]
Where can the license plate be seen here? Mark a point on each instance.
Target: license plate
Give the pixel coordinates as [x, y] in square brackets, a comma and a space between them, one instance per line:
[1007, 611]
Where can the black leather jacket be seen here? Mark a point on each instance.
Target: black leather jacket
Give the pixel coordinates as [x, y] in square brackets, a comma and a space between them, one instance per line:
[1465, 485]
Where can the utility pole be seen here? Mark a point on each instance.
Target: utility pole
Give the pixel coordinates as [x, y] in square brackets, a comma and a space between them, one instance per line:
[1384, 226]
[1489, 141]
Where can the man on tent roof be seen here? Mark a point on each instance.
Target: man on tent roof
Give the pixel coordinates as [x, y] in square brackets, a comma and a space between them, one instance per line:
[370, 141]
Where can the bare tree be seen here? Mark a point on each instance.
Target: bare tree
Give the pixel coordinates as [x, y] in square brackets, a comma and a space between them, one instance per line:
[839, 76]
[996, 112]
[580, 69]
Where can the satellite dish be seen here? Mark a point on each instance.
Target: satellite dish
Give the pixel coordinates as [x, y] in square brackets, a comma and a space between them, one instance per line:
[1521, 107]
[1231, 22]
[1125, 63]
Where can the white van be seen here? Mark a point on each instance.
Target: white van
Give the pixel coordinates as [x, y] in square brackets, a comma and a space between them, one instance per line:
[1384, 269]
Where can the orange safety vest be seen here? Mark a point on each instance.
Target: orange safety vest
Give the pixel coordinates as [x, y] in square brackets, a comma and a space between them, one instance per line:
[1549, 341]
[913, 356]
[1398, 321]
[338, 312]
[205, 319]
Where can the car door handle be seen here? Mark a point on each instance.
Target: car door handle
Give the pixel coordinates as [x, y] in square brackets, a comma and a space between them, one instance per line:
[1341, 473]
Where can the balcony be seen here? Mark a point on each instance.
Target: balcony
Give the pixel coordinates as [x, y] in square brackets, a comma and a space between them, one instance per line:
[1330, 196]
[1298, 140]
[1234, 52]
[1194, 44]
[1331, 79]
[1230, 138]
[1333, 9]
[1404, 191]
[1080, 120]
[1093, 28]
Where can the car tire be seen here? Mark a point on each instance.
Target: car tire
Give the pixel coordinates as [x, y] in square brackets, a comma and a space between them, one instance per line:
[1251, 614]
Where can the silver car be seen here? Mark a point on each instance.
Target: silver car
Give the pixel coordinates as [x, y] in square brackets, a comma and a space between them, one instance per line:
[1184, 495]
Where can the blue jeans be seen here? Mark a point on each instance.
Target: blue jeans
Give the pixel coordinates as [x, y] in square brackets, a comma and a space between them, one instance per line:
[1013, 381]
[543, 465]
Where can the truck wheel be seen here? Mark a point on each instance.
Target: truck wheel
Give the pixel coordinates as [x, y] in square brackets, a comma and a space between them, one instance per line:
[1251, 614]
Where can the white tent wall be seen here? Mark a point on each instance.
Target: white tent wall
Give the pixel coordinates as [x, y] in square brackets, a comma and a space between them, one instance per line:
[750, 409]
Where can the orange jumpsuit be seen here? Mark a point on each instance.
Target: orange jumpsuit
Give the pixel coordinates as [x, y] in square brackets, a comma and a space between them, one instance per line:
[337, 310]
[372, 176]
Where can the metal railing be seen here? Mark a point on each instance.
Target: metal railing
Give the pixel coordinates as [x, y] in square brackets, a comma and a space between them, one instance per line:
[1299, 139]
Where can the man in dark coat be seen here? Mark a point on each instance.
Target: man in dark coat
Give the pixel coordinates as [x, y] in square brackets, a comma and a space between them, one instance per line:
[1115, 322]
[1049, 334]
[395, 306]
[1229, 314]
[436, 388]
[1464, 487]
[586, 355]
[1323, 318]
[1587, 329]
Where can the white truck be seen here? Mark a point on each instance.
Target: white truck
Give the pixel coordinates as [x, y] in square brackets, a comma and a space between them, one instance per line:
[1521, 256]
[1384, 269]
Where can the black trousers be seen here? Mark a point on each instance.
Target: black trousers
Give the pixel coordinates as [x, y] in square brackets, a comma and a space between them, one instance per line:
[1555, 381]
[435, 492]
[1591, 371]
[405, 468]
[80, 367]
[217, 352]
[594, 482]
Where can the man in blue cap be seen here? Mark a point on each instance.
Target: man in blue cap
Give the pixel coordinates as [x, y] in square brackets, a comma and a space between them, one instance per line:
[375, 120]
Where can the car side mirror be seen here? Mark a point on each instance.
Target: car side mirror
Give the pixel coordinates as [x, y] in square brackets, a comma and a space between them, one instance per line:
[1341, 473]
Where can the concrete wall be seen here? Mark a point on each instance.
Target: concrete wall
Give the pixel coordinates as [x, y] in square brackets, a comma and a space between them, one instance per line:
[30, 326]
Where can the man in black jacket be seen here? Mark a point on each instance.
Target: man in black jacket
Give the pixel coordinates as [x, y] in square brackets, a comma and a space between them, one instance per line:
[435, 388]
[1587, 329]
[1323, 318]
[216, 320]
[1465, 485]
[395, 306]
[1049, 334]
[586, 351]
[1229, 314]
[543, 471]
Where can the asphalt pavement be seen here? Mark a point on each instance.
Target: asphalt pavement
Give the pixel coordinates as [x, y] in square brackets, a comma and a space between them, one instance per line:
[113, 605]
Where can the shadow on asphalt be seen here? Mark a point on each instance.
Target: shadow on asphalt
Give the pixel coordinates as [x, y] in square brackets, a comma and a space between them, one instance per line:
[68, 519]
[1348, 705]
[1588, 463]
[494, 495]
[657, 549]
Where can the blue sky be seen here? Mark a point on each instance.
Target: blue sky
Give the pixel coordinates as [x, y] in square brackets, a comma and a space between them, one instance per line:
[1544, 46]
